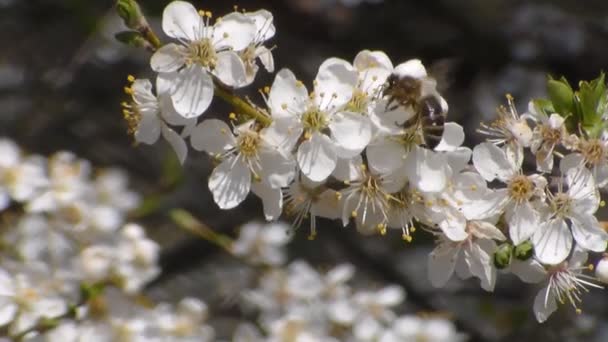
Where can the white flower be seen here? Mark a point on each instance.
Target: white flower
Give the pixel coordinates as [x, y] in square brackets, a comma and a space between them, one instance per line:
[27, 295]
[553, 239]
[203, 49]
[565, 283]
[262, 243]
[470, 257]
[256, 50]
[307, 199]
[149, 117]
[183, 323]
[20, 178]
[111, 189]
[492, 163]
[243, 157]
[368, 195]
[413, 328]
[509, 128]
[68, 182]
[547, 135]
[136, 258]
[374, 311]
[328, 130]
[373, 68]
[591, 153]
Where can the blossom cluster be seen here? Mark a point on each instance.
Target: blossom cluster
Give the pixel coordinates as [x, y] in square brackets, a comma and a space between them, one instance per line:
[354, 149]
[71, 267]
[297, 302]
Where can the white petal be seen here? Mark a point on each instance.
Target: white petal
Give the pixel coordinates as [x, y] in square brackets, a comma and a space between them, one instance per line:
[544, 305]
[170, 115]
[230, 69]
[452, 138]
[8, 311]
[588, 233]
[265, 56]
[459, 158]
[212, 136]
[272, 200]
[351, 132]
[287, 96]
[570, 161]
[600, 173]
[328, 205]
[317, 157]
[277, 170]
[481, 261]
[193, 91]
[230, 183]
[390, 295]
[523, 222]
[177, 143]
[263, 24]
[283, 133]
[334, 83]
[529, 271]
[412, 68]
[168, 58]
[426, 169]
[491, 162]
[182, 21]
[385, 156]
[491, 204]
[582, 190]
[348, 169]
[441, 264]
[234, 30]
[454, 227]
[552, 242]
[486, 230]
[367, 59]
[148, 129]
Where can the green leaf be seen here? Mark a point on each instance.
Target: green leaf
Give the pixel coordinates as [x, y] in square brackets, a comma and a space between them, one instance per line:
[561, 96]
[592, 97]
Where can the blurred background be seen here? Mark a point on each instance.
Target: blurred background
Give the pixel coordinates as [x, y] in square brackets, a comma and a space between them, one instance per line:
[61, 80]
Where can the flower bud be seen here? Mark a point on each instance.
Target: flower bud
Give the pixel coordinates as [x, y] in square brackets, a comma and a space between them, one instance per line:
[132, 38]
[601, 269]
[502, 256]
[524, 251]
[131, 14]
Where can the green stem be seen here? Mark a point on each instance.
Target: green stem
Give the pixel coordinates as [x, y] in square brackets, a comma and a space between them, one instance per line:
[242, 106]
[185, 220]
[151, 37]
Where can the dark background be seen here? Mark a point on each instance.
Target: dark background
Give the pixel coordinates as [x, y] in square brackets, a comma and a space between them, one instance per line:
[61, 79]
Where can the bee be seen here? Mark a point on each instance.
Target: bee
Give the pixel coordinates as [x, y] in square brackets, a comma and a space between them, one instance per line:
[421, 95]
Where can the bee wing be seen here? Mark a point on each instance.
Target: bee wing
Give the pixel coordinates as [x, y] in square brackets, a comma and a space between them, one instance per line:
[443, 71]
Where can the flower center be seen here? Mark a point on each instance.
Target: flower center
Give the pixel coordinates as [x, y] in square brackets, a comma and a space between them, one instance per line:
[202, 52]
[314, 120]
[561, 204]
[248, 143]
[551, 135]
[520, 188]
[593, 151]
[358, 103]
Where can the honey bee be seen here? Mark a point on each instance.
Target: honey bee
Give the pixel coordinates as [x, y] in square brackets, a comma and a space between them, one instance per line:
[421, 95]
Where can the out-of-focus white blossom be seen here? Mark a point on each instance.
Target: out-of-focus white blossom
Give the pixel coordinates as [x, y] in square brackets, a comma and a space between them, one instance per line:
[262, 243]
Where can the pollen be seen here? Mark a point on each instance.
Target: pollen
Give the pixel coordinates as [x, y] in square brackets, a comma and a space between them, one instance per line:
[521, 188]
[249, 143]
[406, 237]
[284, 106]
[131, 78]
[353, 214]
[593, 151]
[602, 203]
[266, 90]
[128, 90]
[232, 116]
